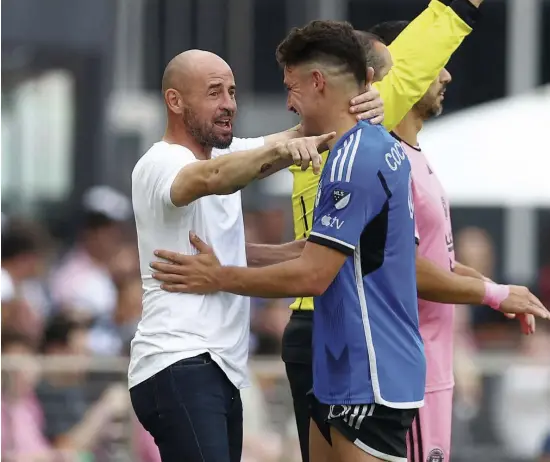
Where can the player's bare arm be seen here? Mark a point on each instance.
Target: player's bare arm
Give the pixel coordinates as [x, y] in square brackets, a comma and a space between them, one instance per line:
[264, 254]
[230, 173]
[464, 270]
[308, 275]
[439, 285]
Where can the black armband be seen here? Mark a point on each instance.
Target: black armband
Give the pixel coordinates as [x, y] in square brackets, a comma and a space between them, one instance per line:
[466, 11]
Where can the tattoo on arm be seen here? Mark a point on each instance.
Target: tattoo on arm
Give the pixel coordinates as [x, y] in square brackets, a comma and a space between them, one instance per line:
[265, 167]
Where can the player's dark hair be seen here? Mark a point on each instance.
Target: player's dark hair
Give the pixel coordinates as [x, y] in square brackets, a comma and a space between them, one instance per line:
[389, 30]
[373, 57]
[329, 42]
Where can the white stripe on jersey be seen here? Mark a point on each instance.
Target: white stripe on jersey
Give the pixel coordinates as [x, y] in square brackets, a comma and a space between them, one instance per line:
[334, 164]
[339, 154]
[345, 156]
[352, 158]
[339, 164]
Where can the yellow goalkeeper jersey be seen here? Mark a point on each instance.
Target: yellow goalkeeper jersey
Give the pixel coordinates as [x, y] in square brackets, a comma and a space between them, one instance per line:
[418, 53]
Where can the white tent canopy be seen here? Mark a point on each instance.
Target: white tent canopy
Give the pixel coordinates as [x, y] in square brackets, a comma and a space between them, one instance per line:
[494, 154]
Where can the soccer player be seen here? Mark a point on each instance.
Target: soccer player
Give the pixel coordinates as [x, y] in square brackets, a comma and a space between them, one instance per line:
[438, 286]
[408, 66]
[369, 365]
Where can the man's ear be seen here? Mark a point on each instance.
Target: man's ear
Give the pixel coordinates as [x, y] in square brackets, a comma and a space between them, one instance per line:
[370, 75]
[173, 100]
[318, 79]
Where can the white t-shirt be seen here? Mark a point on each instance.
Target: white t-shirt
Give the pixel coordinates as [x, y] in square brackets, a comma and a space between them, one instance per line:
[178, 326]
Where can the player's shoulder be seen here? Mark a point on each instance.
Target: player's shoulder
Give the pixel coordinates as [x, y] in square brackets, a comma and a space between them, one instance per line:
[162, 155]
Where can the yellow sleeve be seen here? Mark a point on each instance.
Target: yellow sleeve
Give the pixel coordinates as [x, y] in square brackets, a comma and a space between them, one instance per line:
[419, 54]
[419, 24]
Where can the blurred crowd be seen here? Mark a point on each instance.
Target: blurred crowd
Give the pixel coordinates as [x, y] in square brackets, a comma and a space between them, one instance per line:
[81, 298]
[84, 300]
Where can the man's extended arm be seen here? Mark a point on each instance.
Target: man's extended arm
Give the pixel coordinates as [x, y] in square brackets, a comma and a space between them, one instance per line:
[419, 54]
[230, 173]
[308, 275]
[439, 285]
[264, 254]
[464, 270]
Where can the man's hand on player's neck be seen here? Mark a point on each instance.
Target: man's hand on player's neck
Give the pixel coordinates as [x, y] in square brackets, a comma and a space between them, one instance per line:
[368, 105]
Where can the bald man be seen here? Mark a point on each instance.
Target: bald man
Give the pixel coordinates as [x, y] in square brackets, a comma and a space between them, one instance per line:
[189, 354]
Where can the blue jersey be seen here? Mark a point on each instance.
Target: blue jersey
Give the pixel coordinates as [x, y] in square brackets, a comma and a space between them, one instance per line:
[367, 346]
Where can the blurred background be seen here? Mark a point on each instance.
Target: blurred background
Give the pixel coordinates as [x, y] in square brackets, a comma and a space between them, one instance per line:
[81, 102]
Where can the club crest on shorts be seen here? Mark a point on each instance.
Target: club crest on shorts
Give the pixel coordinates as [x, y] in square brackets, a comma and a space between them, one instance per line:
[341, 198]
[436, 455]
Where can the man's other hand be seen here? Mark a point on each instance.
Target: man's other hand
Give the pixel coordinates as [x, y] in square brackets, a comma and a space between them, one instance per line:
[524, 306]
[368, 105]
[194, 274]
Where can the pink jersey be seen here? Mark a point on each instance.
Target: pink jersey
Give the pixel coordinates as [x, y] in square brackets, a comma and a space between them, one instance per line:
[433, 222]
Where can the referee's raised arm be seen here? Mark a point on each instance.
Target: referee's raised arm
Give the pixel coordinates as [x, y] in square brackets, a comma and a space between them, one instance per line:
[419, 53]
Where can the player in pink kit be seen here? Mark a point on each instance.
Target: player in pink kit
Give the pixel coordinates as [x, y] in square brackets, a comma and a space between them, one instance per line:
[430, 436]
[442, 280]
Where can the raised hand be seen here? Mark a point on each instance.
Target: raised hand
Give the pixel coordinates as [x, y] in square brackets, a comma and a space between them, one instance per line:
[304, 151]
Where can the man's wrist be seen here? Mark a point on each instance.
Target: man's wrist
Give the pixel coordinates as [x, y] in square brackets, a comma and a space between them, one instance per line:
[495, 294]
[467, 10]
[281, 151]
[219, 280]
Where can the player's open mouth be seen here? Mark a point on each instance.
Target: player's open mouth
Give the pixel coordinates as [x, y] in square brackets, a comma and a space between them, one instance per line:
[225, 124]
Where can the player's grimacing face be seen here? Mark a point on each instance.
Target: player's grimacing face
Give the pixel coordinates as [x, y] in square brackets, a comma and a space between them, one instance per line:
[431, 104]
[301, 98]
